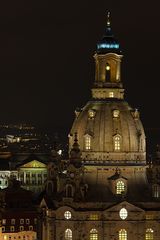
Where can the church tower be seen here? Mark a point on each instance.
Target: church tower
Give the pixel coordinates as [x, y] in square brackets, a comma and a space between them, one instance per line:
[108, 67]
[103, 192]
[108, 129]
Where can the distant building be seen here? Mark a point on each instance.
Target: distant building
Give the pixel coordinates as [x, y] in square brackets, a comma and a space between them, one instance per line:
[30, 170]
[32, 174]
[18, 215]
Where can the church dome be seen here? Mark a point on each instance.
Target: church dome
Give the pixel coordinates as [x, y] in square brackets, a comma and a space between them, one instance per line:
[109, 131]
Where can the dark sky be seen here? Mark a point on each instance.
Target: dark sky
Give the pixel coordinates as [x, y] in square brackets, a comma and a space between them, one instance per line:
[46, 63]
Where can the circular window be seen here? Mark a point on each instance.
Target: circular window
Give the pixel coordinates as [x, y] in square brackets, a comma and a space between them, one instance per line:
[123, 213]
[67, 215]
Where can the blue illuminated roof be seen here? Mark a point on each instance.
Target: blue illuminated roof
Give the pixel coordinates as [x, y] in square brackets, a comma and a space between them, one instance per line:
[108, 43]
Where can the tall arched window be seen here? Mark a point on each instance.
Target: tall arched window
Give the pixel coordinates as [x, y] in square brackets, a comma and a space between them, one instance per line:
[149, 234]
[87, 142]
[122, 234]
[120, 187]
[69, 191]
[108, 72]
[93, 235]
[68, 234]
[117, 142]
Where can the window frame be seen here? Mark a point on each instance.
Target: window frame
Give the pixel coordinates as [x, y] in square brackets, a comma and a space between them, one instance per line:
[68, 235]
[93, 234]
[87, 142]
[149, 235]
[117, 142]
[122, 234]
[120, 187]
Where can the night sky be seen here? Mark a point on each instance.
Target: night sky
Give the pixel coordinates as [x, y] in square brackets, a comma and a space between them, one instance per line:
[47, 65]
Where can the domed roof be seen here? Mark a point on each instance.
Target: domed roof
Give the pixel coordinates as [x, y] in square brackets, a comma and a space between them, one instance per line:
[109, 131]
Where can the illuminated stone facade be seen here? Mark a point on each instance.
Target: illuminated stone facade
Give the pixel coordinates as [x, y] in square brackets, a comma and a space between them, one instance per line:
[104, 190]
[33, 175]
[31, 172]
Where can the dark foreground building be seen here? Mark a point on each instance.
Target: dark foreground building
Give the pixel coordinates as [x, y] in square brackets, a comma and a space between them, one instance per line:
[103, 191]
[18, 215]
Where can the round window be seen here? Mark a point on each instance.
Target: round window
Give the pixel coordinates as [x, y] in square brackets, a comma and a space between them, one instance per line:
[123, 213]
[67, 215]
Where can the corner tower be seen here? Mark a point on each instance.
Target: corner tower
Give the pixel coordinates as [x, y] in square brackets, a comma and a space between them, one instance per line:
[109, 131]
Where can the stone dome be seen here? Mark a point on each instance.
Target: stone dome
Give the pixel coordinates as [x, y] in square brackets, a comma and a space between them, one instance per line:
[109, 131]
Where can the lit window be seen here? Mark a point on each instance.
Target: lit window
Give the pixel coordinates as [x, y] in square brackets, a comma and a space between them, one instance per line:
[156, 190]
[149, 234]
[120, 187]
[107, 67]
[30, 228]
[87, 142]
[13, 221]
[123, 213]
[21, 221]
[94, 217]
[117, 143]
[108, 72]
[12, 228]
[93, 234]
[149, 217]
[111, 94]
[91, 113]
[67, 215]
[21, 228]
[27, 221]
[122, 234]
[3, 221]
[116, 113]
[68, 234]
[35, 220]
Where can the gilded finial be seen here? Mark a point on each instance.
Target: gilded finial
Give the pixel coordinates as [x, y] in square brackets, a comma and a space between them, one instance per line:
[108, 19]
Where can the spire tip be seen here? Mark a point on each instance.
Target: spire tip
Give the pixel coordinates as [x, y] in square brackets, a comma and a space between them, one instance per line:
[108, 19]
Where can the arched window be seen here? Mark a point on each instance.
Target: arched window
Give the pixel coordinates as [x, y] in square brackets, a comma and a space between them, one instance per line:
[122, 234]
[93, 235]
[69, 191]
[149, 234]
[117, 142]
[120, 187]
[108, 72]
[87, 142]
[68, 234]
[156, 191]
